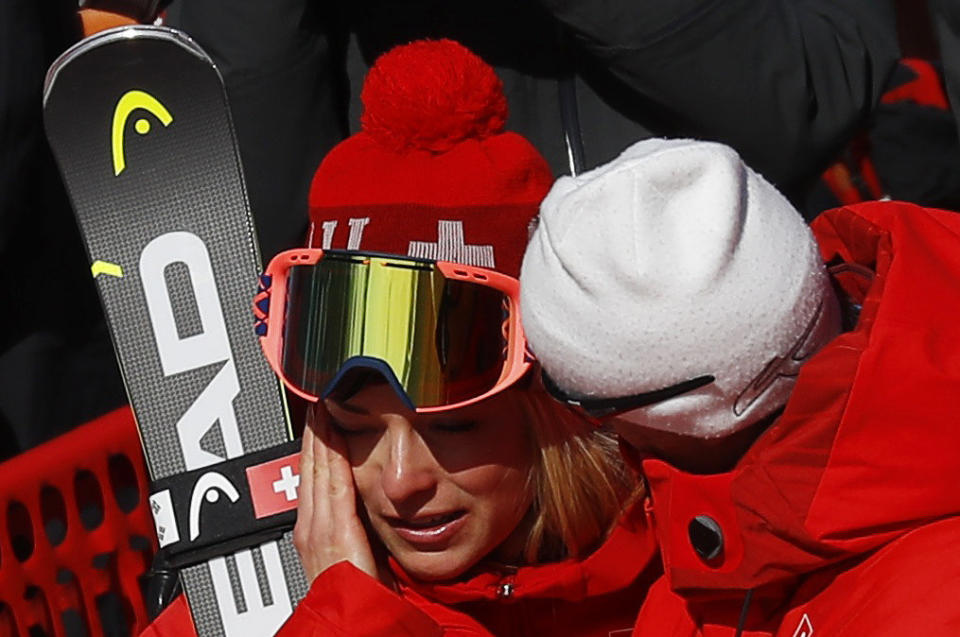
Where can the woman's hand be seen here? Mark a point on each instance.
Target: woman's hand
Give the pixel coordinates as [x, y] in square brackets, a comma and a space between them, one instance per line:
[328, 529]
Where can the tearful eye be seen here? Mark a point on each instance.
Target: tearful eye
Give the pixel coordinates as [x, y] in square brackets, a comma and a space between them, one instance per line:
[351, 430]
[455, 426]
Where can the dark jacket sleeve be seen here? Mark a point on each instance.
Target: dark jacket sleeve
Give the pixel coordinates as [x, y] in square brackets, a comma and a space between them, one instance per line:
[785, 82]
[945, 15]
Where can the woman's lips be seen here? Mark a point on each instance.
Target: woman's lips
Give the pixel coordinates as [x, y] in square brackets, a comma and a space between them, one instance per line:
[426, 532]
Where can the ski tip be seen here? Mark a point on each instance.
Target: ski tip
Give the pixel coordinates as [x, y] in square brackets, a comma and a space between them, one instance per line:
[120, 34]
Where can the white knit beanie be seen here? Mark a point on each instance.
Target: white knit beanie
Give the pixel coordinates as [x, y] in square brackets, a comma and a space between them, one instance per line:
[673, 262]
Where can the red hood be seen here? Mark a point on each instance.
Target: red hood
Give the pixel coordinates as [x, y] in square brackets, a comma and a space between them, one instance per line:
[867, 447]
[619, 561]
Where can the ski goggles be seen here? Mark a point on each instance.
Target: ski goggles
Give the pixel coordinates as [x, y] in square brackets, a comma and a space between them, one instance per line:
[443, 335]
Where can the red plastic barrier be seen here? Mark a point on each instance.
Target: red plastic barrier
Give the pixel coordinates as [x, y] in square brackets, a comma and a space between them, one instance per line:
[76, 535]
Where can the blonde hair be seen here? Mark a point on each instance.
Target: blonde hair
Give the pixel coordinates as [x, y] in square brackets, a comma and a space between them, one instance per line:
[579, 480]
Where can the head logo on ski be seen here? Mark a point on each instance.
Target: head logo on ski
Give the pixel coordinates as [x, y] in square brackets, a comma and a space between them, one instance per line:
[131, 101]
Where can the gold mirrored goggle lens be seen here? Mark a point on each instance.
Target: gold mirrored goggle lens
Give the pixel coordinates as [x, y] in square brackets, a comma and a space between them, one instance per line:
[442, 340]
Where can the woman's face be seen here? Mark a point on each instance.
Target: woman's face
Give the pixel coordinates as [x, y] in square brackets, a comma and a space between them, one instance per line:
[441, 490]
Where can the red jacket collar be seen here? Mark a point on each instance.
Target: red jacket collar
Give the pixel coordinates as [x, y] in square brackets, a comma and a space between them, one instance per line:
[866, 447]
[624, 555]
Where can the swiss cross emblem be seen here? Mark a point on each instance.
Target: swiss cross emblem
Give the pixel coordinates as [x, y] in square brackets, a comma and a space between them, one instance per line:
[287, 484]
[450, 246]
[274, 485]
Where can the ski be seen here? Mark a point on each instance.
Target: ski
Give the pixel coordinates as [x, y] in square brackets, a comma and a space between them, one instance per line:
[138, 121]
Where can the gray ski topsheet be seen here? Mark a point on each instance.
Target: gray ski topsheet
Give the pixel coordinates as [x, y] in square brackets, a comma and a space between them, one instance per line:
[139, 125]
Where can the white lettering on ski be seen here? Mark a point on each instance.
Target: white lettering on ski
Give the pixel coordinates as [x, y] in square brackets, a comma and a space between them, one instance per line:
[213, 406]
[259, 618]
[211, 345]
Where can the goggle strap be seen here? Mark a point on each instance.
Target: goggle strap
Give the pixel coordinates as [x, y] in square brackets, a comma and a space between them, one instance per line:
[600, 407]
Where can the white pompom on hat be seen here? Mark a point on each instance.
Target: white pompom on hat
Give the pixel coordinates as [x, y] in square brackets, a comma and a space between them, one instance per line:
[675, 261]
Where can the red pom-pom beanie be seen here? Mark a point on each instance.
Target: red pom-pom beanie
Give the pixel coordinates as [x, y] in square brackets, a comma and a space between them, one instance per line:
[432, 174]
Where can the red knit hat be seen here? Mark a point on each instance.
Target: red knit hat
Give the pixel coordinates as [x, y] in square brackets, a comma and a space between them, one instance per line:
[432, 174]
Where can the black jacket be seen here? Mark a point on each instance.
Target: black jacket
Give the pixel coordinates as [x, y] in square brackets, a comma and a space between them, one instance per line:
[57, 367]
[945, 15]
[784, 82]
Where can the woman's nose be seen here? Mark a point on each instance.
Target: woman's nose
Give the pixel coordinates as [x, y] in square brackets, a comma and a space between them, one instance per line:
[409, 468]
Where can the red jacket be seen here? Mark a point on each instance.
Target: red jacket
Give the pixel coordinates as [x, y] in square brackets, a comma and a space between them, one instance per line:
[843, 519]
[597, 596]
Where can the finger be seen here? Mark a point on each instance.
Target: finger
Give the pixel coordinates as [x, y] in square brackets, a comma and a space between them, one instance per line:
[340, 504]
[337, 533]
[338, 470]
[305, 502]
[321, 468]
[336, 443]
